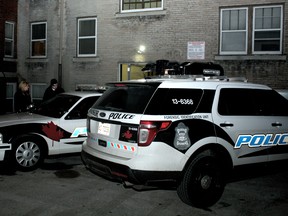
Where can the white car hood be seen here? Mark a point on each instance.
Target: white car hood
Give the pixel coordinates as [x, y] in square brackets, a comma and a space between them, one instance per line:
[23, 118]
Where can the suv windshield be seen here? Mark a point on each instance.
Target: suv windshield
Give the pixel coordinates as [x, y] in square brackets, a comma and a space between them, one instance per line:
[132, 98]
[56, 107]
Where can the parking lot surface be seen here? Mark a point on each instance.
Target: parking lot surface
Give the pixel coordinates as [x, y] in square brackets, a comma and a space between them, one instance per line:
[64, 187]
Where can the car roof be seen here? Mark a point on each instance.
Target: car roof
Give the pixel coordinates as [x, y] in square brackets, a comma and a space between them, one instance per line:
[83, 93]
[195, 82]
[208, 84]
[283, 92]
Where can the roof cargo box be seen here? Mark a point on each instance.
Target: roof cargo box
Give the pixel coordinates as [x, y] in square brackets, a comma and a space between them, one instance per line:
[202, 68]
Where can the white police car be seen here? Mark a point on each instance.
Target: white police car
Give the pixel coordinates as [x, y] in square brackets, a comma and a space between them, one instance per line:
[56, 127]
[192, 130]
[283, 92]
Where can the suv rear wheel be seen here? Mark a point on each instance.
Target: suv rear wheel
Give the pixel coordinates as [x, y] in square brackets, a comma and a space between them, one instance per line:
[203, 182]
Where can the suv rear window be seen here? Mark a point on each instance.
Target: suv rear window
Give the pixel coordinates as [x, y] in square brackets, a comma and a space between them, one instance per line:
[174, 101]
[132, 98]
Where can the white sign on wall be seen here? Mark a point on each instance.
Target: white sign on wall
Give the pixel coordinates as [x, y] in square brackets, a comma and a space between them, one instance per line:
[196, 50]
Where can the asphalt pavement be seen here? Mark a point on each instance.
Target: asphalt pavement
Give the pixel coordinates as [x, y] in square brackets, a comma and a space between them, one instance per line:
[64, 187]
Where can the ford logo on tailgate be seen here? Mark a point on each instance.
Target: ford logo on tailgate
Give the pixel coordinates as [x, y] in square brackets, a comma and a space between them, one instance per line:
[102, 114]
[94, 112]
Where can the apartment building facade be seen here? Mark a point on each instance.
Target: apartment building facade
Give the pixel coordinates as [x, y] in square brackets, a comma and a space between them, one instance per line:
[94, 42]
[8, 52]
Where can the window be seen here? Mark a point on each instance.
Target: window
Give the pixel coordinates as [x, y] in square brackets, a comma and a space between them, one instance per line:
[175, 101]
[234, 31]
[126, 98]
[267, 31]
[81, 109]
[87, 37]
[263, 27]
[140, 5]
[57, 106]
[9, 39]
[11, 88]
[261, 102]
[37, 91]
[38, 39]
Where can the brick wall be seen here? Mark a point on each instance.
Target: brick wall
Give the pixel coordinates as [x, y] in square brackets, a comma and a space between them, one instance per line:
[8, 12]
[165, 35]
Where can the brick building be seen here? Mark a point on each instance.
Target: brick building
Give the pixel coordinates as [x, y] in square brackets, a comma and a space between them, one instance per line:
[94, 42]
[8, 52]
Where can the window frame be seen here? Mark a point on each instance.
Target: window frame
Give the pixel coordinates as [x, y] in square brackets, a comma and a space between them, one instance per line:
[261, 102]
[10, 40]
[246, 30]
[35, 40]
[265, 30]
[95, 37]
[140, 10]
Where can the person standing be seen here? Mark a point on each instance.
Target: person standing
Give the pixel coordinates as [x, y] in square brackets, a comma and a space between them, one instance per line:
[22, 97]
[52, 90]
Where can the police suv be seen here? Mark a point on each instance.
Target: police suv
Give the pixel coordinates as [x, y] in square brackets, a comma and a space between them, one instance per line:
[189, 129]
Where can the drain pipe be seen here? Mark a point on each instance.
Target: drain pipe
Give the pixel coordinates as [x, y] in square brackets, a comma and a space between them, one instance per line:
[61, 8]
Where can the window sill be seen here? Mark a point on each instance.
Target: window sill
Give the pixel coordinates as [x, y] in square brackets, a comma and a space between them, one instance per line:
[9, 59]
[141, 14]
[86, 59]
[251, 57]
[36, 60]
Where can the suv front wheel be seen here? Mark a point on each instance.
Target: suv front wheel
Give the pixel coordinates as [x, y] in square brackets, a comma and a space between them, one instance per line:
[203, 182]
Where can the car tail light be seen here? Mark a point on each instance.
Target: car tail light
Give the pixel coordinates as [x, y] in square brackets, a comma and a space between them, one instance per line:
[149, 129]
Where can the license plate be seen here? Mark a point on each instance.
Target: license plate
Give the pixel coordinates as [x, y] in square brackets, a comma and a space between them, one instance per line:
[104, 128]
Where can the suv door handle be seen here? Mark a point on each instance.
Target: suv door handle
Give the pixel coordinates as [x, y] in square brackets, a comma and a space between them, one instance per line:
[276, 124]
[226, 124]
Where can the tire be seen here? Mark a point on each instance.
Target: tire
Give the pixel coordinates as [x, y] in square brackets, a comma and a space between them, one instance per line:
[27, 154]
[203, 182]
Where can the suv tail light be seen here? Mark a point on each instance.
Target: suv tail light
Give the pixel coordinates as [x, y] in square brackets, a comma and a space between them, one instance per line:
[148, 130]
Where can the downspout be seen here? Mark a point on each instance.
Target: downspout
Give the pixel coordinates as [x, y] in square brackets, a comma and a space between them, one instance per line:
[61, 8]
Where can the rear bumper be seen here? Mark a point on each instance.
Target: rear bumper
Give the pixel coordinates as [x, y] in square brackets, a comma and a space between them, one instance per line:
[124, 173]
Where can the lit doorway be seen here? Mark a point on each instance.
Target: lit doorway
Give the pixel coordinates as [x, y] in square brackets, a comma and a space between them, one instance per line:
[132, 71]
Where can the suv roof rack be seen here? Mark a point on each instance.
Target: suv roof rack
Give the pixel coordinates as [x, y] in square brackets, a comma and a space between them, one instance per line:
[163, 67]
[199, 78]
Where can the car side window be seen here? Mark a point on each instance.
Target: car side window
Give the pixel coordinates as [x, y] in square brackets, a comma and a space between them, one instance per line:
[271, 103]
[251, 102]
[81, 109]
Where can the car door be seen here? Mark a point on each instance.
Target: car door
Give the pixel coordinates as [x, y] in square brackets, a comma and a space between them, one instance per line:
[246, 114]
[74, 122]
[277, 108]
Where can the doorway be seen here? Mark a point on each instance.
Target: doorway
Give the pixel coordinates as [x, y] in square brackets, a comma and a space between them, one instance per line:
[132, 71]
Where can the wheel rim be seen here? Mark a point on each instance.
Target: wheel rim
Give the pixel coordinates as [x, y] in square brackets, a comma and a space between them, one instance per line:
[206, 182]
[207, 176]
[27, 154]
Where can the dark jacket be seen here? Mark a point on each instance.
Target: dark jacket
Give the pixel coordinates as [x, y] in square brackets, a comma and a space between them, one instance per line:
[49, 93]
[21, 101]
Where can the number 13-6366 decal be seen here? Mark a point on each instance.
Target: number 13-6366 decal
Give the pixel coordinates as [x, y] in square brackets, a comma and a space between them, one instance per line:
[182, 101]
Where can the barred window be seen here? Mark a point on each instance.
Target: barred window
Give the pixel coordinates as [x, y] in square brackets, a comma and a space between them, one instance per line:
[136, 5]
